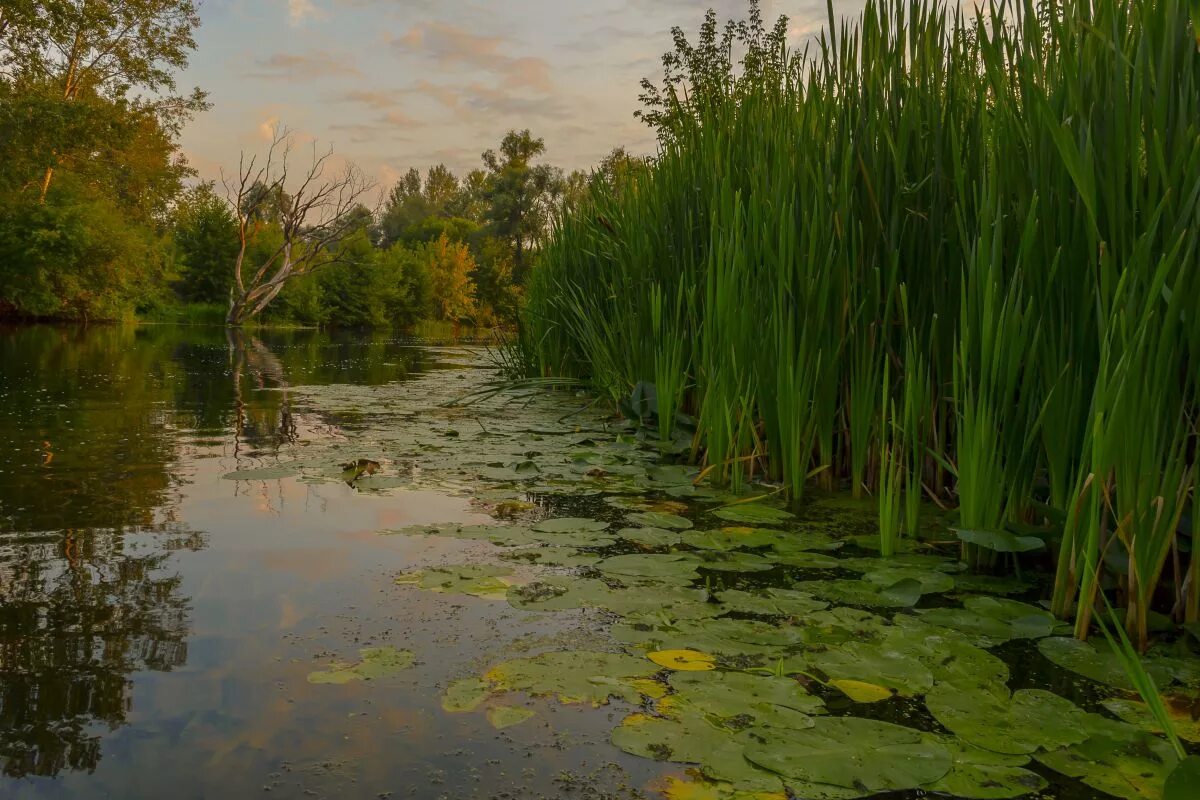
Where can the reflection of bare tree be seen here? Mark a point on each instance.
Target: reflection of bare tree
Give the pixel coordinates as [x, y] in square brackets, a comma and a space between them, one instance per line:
[250, 358]
[78, 615]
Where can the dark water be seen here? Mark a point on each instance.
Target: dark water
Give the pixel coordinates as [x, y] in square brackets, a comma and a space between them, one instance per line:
[157, 623]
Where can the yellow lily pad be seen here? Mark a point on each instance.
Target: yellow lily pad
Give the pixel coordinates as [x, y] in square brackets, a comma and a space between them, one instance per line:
[684, 660]
[861, 691]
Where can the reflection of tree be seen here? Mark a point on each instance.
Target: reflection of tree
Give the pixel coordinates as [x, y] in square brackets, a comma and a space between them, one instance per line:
[253, 360]
[78, 615]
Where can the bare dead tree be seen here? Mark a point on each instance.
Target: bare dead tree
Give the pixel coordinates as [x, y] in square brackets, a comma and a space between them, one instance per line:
[313, 218]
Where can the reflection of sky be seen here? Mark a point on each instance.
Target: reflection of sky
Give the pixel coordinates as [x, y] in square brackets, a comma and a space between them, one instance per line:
[400, 83]
[281, 578]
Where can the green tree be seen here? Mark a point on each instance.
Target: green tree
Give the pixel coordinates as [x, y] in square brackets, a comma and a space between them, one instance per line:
[206, 243]
[449, 265]
[520, 195]
[109, 48]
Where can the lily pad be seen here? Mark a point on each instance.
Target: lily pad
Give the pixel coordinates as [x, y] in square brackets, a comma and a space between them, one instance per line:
[570, 525]
[552, 557]
[376, 662]
[854, 753]
[987, 717]
[1181, 708]
[465, 695]
[773, 602]
[868, 662]
[562, 592]
[650, 537]
[931, 581]
[502, 717]
[753, 514]
[683, 660]
[1096, 660]
[576, 676]
[1001, 541]
[676, 567]
[477, 580]
[1116, 759]
[732, 538]
[1182, 781]
[862, 692]
[902, 594]
[983, 775]
[660, 519]
[731, 694]
[990, 621]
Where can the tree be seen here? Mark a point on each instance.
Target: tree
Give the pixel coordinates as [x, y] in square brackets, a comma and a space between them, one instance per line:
[520, 195]
[320, 211]
[449, 265]
[206, 243]
[699, 76]
[104, 47]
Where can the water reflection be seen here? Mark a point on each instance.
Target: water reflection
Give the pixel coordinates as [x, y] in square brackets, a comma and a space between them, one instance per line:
[102, 431]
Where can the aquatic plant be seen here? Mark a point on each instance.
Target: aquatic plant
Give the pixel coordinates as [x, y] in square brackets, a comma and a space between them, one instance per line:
[1000, 205]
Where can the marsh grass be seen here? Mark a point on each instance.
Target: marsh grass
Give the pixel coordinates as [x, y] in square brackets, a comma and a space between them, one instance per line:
[1002, 207]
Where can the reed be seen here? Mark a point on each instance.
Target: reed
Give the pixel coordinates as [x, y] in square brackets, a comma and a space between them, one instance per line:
[1002, 207]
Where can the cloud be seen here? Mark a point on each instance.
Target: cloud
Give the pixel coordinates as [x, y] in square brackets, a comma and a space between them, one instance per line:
[267, 128]
[301, 11]
[451, 46]
[310, 66]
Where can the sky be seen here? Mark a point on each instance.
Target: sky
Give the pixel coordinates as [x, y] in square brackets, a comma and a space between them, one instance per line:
[393, 84]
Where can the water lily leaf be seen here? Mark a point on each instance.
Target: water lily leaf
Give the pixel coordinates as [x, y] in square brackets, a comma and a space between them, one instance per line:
[675, 567]
[562, 592]
[732, 538]
[1182, 709]
[947, 654]
[983, 775]
[647, 504]
[987, 717]
[800, 542]
[674, 787]
[732, 561]
[465, 695]
[861, 692]
[576, 676]
[853, 753]
[931, 581]
[477, 580]
[1117, 759]
[651, 537]
[733, 694]
[753, 514]
[683, 660]
[1001, 541]
[552, 557]
[868, 662]
[660, 519]
[1096, 660]
[570, 525]
[773, 602]
[990, 621]
[376, 662]
[1184, 778]
[502, 717]
[860, 593]
[808, 560]
[685, 739]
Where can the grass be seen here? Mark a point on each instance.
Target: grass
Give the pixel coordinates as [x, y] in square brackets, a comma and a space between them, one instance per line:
[997, 208]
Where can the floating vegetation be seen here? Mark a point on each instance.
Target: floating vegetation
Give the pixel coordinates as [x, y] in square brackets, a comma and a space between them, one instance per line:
[376, 662]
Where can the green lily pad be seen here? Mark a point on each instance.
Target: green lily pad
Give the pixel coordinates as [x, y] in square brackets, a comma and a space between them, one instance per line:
[465, 695]
[502, 717]
[732, 538]
[931, 581]
[1116, 759]
[376, 662]
[948, 654]
[675, 567]
[650, 537]
[808, 560]
[801, 542]
[986, 716]
[993, 620]
[477, 580]
[562, 592]
[1181, 783]
[570, 525]
[1181, 708]
[552, 557]
[870, 663]
[734, 694]
[902, 594]
[576, 676]
[1096, 660]
[773, 602]
[753, 514]
[660, 519]
[983, 775]
[853, 753]
[1001, 541]
[732, 561]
